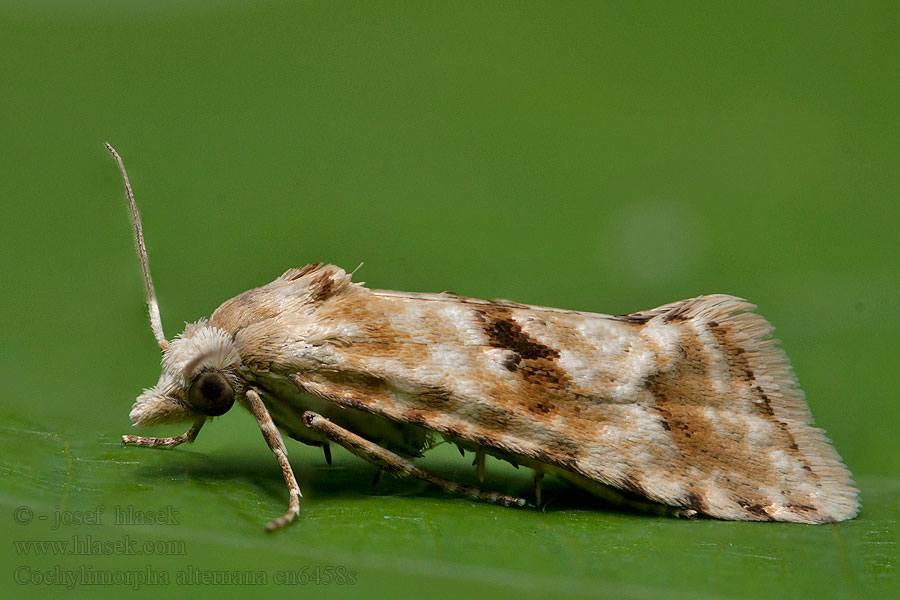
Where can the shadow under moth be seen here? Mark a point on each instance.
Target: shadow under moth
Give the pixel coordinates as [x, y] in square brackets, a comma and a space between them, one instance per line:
[690, 408]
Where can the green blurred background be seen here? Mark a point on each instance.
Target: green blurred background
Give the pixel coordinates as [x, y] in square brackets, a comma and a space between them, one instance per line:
[595, 156]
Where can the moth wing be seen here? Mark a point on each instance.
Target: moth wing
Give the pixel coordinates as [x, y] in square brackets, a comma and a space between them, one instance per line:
[691, 404]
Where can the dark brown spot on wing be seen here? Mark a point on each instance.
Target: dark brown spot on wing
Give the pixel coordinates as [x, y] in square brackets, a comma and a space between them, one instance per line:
[693, 501]
[504, 332]
[535, 362]
[670, 421]
[543, 371]
[437, 398]
[756, 509]
[681, 312]
[636, 318]
[295, 274]
[511, 361]
[321, 288]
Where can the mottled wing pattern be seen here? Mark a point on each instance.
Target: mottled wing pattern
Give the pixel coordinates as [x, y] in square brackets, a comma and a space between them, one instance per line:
[691, 404]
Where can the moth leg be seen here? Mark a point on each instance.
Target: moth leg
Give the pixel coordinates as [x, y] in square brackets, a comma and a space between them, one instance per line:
[276, 445]
[169, 442]
[538, 486]
[397, 465]
[478, 463]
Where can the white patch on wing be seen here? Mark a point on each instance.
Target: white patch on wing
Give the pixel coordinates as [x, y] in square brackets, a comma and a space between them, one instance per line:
[584, 372]
[759, 431]
[781, 461]
[450, 357]
[470, 331]
[640, 363]
[632, 443]
[605, 335]
[658, 481]
[727, 425]
[717, 499]
[337, 332]
[667, 338]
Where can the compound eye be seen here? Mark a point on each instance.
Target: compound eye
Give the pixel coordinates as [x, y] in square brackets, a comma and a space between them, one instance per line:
[211, 394]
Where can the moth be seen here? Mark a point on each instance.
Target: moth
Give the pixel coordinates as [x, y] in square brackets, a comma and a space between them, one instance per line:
[690, 408]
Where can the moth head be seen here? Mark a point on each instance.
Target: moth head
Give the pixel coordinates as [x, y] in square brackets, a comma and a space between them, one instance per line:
[200, 366]
[200, 377]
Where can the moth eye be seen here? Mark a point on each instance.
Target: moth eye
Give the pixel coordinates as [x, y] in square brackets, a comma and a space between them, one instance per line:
[211, 394]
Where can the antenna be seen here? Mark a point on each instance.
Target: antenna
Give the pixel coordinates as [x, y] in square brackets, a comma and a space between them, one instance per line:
[152, 305]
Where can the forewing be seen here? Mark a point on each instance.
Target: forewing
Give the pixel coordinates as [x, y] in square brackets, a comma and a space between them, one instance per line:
[691, 404]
